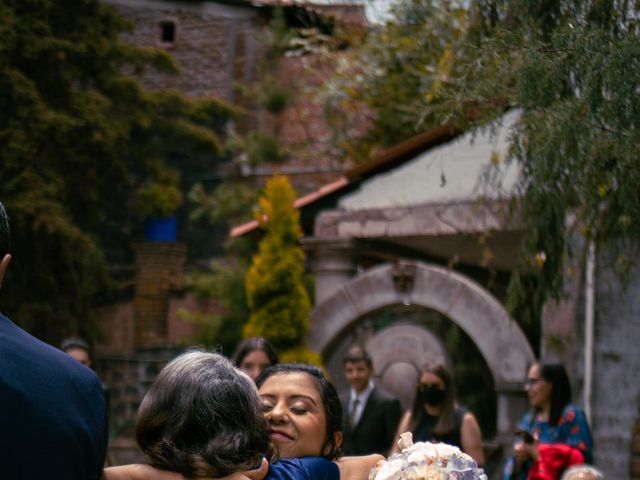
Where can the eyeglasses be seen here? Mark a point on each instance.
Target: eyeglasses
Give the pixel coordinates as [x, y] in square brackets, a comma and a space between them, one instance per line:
[532, 381]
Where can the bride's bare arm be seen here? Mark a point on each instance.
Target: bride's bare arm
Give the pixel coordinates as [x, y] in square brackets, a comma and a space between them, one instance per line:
[357, 468]
[403, 426]
[138, 472]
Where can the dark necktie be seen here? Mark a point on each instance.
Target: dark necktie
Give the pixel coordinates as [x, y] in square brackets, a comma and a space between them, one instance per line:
[352, 413]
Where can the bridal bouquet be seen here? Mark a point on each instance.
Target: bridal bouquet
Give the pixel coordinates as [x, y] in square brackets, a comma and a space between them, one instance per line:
[427, 461]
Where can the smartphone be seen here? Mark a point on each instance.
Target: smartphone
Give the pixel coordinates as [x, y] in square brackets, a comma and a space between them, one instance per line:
[526, 436]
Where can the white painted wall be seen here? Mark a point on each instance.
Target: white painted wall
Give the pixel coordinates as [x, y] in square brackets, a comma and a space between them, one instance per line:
[452, 172]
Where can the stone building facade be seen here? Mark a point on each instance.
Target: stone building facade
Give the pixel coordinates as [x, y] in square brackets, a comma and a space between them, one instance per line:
[634, 466]
[215, 44]
[220, 49]
[394, 233]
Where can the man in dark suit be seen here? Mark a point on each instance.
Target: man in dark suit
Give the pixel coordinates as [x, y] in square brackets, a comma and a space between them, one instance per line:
[371, 414]
[53, 418]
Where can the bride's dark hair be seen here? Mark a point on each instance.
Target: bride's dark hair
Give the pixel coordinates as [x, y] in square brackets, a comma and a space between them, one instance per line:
[331, 450]
[203, 418]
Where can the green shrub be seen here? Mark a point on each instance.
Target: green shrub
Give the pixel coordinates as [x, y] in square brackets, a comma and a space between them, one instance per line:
[159, 198]
[278, 300]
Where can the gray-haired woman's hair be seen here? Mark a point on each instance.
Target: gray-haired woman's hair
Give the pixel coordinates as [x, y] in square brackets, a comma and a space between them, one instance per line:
[203, 418]
[576, 472]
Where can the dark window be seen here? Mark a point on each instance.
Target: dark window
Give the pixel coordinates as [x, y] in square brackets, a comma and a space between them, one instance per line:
[167, 32]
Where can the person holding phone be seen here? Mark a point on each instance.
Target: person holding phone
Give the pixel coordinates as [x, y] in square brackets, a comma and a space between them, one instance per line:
[554, 434]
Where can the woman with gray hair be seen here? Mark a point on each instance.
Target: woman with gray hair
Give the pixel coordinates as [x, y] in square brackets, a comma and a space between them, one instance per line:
[202, 419]
[582, 472]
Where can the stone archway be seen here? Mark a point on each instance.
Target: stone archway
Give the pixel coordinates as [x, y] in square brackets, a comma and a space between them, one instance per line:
[498, 337]
[397, 351]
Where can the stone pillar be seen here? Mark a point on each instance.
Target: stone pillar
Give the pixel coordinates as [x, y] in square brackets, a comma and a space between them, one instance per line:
[333, 264]
[159, 269]
[511, 405]
[634, 463]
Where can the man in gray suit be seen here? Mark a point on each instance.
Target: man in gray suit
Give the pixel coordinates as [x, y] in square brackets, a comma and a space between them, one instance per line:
[371, 414]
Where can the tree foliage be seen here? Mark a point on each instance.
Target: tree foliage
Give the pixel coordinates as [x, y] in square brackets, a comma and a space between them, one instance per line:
[571, 66]
[574, 70]
[224, 281]
[278, 301]
[400, 74]
[77, 134]
[158, 198]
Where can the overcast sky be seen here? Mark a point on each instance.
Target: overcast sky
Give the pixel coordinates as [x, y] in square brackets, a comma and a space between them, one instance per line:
[376, 9]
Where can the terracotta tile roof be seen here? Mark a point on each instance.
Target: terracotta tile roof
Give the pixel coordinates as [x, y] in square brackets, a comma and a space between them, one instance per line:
[299, 203]
[381, 162]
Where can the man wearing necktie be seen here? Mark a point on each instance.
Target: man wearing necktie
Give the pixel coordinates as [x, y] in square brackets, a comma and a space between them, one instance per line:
[371, 413]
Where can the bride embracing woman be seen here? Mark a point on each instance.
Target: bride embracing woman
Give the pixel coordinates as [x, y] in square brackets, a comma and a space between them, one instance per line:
[203, 418]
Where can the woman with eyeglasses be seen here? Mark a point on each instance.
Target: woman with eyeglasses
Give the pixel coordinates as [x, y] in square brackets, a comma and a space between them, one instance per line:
[436, 417]
[554, 434]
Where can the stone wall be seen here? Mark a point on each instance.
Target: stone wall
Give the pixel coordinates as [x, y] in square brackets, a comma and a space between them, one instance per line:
[219, 47]
[127, 378]
[615, 397]
[634, 466]
[139, 336]
[215, 45]
[616, 391]
[159, 271]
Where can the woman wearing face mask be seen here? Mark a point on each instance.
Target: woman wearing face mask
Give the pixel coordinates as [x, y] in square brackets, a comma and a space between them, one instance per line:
[435, 416]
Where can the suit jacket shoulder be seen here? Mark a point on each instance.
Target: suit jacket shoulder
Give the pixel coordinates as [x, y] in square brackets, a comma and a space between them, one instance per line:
[50, 404]
[376, 429]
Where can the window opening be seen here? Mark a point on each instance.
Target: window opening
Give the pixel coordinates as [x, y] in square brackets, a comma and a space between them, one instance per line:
[167, 32]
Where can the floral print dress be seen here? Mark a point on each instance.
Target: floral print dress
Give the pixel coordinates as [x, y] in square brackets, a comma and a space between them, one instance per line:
[572, 430]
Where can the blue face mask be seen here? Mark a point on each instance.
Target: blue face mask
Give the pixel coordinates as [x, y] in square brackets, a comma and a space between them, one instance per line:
[432, 395]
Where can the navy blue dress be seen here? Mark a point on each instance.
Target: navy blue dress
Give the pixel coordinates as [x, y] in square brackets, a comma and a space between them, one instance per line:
[423, 431]
[53, 418]
[305, 468]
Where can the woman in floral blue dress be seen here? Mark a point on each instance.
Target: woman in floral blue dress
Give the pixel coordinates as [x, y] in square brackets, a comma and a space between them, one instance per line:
[555, 433]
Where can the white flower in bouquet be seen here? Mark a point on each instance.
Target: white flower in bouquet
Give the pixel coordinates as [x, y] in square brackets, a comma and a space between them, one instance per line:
[427, 461]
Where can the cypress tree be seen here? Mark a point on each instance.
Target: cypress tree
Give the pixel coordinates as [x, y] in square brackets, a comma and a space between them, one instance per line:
[278, 301]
